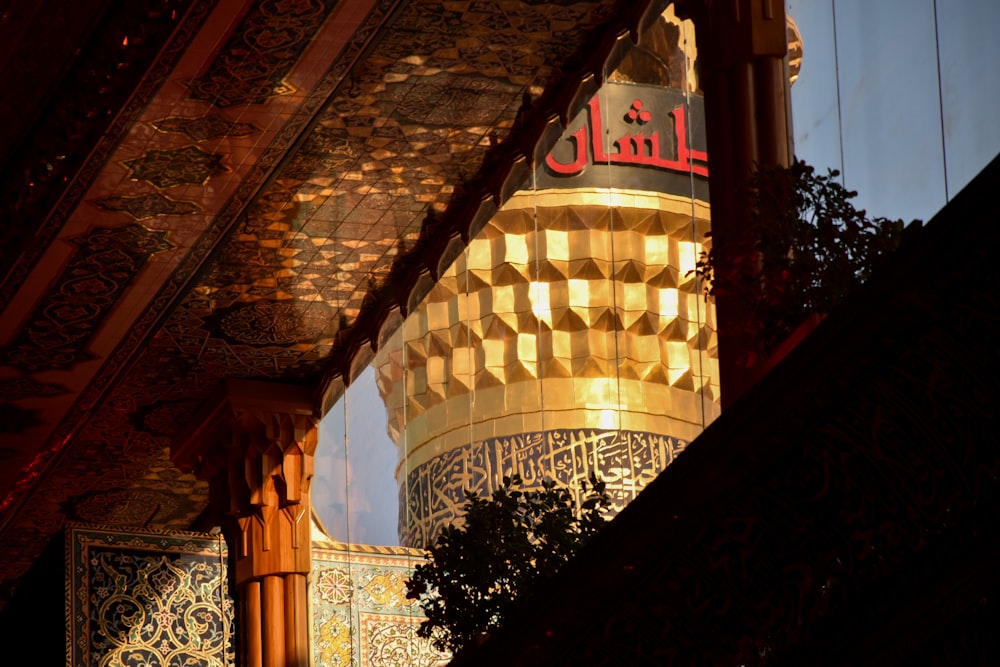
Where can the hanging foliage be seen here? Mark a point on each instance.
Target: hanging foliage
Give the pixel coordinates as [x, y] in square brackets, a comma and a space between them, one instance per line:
[806, 249]
[480, 568]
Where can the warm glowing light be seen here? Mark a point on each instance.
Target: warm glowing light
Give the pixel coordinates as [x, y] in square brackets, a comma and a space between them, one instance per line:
[669, 302]
[516, 249]
[540, 301]
[579, 293]
[687, 256]
[657, 249]
[527, 348]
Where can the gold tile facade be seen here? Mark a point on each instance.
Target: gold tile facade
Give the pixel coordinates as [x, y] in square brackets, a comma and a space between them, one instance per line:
[572, 336]
[572, 309]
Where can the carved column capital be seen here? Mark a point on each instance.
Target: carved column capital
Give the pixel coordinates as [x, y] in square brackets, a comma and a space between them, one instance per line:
[255, 446]
[257, 442]
[269, 490]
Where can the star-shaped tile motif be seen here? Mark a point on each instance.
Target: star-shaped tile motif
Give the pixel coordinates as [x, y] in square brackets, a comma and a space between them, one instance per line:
[204, 127]
[148, 206]
[164, 169]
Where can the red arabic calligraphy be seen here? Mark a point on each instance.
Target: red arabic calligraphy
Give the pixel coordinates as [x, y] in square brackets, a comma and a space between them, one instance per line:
[632, 149]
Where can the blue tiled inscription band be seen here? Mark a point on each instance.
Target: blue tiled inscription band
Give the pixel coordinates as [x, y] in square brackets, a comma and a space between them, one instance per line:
[435, 491]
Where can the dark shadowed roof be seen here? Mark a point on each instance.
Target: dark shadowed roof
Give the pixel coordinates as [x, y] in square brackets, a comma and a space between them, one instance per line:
[842, 512]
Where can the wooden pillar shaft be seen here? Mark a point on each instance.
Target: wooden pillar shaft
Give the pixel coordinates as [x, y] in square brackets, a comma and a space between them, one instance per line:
[772, 109]
[273, 618]
[742, 46]
[258, 443]
[296, 620]
[252, 630]
[274, 526]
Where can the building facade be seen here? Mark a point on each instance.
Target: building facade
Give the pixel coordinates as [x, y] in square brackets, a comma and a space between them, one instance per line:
[218, 214]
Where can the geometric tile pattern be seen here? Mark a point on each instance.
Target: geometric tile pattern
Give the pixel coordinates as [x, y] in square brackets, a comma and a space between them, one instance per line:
[270, 301]
[209, 126]
[147, 598]
[570, 338]
[434, 493]
[105, 263]
[148, 206]
[361, 616]
[411, 119]
[187, 165]
[252, 65]
[571, 291]
[163, 418]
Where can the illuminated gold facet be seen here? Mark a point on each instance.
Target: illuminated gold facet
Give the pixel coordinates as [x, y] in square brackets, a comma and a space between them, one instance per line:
[571, 310]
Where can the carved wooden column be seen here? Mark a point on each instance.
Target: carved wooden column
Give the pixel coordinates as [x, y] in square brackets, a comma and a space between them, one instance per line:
[255, 446]
[741, 46]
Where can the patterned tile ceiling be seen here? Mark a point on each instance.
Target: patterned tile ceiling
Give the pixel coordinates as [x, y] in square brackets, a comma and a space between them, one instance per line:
[240, 188]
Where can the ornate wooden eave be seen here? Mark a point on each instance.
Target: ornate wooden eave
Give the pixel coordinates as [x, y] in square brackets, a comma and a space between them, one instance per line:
[204, 179]
[505, 169]
[87, 67]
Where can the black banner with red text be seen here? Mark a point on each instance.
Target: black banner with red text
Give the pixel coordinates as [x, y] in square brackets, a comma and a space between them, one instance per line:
[634, 137]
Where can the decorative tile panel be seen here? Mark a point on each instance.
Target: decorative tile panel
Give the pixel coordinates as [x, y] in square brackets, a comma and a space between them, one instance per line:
[167, 168]
[361, 617]
[105, 263]
[148, 206]
[253, 64]
[140, 598]
[209, 126]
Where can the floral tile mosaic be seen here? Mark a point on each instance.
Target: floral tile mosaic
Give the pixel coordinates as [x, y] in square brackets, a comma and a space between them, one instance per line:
[361, 617]
[144, 598]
